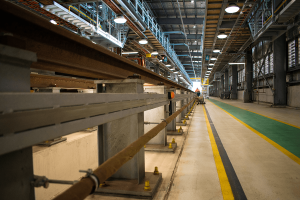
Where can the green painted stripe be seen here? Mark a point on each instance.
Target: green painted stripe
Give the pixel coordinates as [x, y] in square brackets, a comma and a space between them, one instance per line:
[286, 136]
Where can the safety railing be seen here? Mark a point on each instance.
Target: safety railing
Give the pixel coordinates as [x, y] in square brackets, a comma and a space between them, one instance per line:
[262, 14]
[87, 185]
[42, 117]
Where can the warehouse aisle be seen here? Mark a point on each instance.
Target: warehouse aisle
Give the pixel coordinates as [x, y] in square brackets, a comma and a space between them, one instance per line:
[230, 153]
[264, 168]
[196, 176]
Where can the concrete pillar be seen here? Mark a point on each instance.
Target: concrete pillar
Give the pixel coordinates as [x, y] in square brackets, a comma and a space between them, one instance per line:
[280, 94]
[172, 109]
[16, 168]
[178, 106]
[184, 102]
[249, 77]
[189, 99]
[156, 115]
[234, 81]
[116, 135]
[226, 84]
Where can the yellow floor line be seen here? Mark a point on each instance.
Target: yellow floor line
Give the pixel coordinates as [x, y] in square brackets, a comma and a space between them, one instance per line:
[225, 185]
[277, 146]
[263, 115]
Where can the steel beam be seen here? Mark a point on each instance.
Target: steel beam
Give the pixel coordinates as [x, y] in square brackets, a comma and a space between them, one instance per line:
[63, 51]
[189, 37]
[177, 21]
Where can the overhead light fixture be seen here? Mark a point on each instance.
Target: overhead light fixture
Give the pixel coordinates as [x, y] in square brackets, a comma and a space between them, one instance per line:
[194, 26]
[120, 19]
[168, 65]
[216, 50]
[192, 1]
[232, 8]
[213, 58]
[143, 41]
[154, 53]
[130, 52]
[210, 68]
[211, 64]
[222, 35]
[236, 63]
[53, 22]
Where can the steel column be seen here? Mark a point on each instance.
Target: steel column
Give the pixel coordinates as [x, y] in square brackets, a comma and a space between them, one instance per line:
[234, 82]
[16, 168]
[280, 94]
[226, 84]
[249, 77]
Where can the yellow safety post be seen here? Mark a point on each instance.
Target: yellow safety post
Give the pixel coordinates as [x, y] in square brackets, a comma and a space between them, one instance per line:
[170, 145]
[184, 121]
[173, 141]
[103, 184]
[147, 186]
[156, 172]
[180, 129]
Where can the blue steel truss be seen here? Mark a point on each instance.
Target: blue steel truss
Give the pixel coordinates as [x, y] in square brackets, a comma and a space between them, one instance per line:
[142, 10]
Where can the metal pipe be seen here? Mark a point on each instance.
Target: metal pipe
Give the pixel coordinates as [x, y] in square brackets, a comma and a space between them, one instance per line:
[172, 32]
[151, 122]
[85, 186]
[62, 182]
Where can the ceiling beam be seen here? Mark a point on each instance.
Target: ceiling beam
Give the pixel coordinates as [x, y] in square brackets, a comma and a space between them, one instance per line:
[192, 47]
[177, 21]
[189, 36]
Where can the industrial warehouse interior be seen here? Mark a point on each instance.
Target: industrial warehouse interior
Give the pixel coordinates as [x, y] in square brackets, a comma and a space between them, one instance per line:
[150, 99]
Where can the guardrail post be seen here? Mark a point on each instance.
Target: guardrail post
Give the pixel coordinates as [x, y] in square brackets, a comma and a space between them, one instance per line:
[190, 98]
[16, 168]
[116, 135]
[179, 104]
[156, 115]
[171, 127]
[184, 101]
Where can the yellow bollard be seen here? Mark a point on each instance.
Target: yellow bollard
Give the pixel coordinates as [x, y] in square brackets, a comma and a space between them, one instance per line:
[103, 184]
[180, 129]
[173, 141]
[170, 145]
[147, 186]
[184, 121]
[156, 172]
[144, 146]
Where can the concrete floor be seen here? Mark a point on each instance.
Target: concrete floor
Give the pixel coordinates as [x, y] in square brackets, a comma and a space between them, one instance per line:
[263, 170]
[190, 173]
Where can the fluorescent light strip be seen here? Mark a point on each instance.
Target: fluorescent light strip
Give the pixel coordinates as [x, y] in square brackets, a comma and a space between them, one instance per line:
[130, 52]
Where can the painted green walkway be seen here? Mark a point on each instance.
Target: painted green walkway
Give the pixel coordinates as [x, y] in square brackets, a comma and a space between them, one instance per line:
[286, 136]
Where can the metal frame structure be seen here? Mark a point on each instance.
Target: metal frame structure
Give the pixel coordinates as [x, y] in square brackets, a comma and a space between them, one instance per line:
[41, 117]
